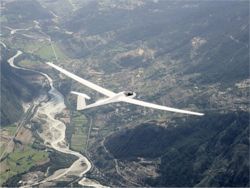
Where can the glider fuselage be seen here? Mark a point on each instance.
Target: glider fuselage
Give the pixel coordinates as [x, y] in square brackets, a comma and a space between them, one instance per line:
[116, 98]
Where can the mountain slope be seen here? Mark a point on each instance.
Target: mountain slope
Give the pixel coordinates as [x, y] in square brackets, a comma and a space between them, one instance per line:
[14, 91]
[187, 54]
[212, 151]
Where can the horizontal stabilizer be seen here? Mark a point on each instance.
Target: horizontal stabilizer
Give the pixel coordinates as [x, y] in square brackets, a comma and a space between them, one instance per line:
[80, 94]
[81, 100]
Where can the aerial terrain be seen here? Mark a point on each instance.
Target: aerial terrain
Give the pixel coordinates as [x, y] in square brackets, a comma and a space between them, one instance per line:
[191, 55]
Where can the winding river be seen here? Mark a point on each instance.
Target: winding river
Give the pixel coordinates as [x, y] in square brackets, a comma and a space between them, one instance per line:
[53, 134]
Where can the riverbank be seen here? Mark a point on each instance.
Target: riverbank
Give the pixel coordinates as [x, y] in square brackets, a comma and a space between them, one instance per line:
[53, 135]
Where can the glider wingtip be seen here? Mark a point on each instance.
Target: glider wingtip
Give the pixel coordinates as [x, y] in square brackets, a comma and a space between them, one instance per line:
[49, 63]
[197, 114]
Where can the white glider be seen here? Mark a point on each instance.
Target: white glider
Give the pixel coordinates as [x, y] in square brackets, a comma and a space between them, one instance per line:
[125, 96]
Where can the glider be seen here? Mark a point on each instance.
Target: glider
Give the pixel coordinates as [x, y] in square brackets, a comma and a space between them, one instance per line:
[124, 96]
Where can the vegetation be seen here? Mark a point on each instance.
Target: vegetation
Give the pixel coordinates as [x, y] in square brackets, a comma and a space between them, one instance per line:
[3, 19]
[57, 161]
[20, 8]
[80, 131]
[11, 129]
[29, 63]
[192, 55]
[19, 161]
[32, 46]
[198, 152]
[9, 99]
[46, 52]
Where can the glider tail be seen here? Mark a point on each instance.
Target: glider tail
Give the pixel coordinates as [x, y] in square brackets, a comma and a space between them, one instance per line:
[81, 100]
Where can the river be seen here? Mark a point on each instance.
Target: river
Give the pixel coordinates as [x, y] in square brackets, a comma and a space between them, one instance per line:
[53, 135]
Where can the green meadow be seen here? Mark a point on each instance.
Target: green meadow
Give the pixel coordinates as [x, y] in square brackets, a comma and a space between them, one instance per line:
[80, 131]
[19, 161]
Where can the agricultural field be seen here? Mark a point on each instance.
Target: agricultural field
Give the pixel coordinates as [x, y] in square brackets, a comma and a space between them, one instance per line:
[184, 54]
[17, 155]
[29, 64]
[6, 135]
[21, 160]
[80, 131]
[50, 52]
[10, 129]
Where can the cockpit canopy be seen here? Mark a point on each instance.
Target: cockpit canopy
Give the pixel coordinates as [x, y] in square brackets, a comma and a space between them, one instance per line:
[128, 93]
